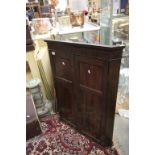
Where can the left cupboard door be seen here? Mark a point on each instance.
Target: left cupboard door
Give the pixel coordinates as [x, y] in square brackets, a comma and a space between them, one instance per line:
[62, 73]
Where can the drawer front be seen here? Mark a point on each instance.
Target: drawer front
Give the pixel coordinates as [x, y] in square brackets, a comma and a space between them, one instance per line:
[63, 68]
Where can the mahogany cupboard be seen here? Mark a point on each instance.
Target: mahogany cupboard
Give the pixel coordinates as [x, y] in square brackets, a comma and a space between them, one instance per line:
[86, 81]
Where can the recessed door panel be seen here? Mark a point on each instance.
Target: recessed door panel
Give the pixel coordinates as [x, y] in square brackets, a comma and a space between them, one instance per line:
[64, 93]
[91, 75]
[63, 68]
[79, 110]
[93, 113]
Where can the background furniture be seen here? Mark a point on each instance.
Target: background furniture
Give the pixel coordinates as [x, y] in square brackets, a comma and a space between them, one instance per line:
[34, 70]
[39, 64]
[35, 7]
[29, 41]
[32, 122]
[86, 82]
[45, 11]
[112, 19]
[33, 86]
[88, 33]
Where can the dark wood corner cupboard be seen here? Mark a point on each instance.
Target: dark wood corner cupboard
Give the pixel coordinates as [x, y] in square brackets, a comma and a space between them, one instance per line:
[86, 80]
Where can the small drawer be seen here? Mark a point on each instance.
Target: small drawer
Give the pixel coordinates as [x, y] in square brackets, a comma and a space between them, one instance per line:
[63, 68]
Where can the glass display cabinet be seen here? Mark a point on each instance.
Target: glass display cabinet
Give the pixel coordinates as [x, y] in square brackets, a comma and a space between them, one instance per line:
[114, 30]
[120, 35]
[105, 22]
[114, 24]
[120, 30]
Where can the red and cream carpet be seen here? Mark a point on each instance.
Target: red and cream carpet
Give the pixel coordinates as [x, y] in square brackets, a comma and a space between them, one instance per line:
[60, 139]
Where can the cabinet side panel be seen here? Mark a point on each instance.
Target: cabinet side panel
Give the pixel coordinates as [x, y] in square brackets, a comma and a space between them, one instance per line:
[113, 77]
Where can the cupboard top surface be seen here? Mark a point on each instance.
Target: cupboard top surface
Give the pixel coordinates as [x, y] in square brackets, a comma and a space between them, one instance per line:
[86, 45]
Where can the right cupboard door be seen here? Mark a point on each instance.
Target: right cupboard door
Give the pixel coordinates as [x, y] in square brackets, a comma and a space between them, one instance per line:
[91, 77]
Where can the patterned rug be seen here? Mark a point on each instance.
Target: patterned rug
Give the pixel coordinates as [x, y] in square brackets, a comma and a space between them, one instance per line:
[60, 139]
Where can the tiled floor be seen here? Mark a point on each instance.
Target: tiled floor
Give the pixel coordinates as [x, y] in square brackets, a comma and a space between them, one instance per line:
[121, 134]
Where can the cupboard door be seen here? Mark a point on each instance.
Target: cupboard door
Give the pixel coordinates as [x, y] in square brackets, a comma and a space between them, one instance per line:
[91, 74]
[63, 71]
